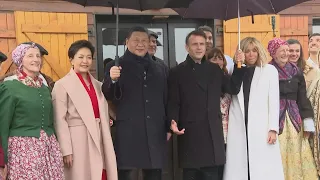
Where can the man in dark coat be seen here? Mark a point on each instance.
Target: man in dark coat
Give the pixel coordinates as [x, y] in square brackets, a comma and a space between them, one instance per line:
[153, 49]
[140, 96]
[195, 87]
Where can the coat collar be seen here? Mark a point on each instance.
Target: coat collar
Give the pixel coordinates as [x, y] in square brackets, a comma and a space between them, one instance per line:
[192, 63]
[254, 84]
[137, 65]
[82, 102]
[190, 66]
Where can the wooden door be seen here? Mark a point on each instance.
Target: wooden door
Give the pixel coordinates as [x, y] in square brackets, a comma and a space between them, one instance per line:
[55, 32]
[295, 27]
[7, 40]
[261, 29]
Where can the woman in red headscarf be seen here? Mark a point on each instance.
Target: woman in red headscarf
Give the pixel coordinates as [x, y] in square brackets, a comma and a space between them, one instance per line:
[31, 149]
[296, 116]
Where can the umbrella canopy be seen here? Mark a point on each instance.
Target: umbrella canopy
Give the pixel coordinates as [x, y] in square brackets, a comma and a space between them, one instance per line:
[228, 9]
[109, 36]
[128, 4]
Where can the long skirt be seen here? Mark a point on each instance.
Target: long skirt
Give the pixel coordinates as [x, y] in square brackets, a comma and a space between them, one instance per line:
[297, 158]
[34, 158]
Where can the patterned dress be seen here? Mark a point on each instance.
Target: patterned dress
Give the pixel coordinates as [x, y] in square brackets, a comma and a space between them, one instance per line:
[33, 158]
[224, 106]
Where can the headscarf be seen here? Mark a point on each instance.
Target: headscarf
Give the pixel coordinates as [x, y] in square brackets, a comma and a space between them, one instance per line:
[19, 52]
[274, 44]
[17, 56]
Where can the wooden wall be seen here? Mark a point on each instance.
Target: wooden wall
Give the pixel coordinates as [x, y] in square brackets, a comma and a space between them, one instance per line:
[7, 40]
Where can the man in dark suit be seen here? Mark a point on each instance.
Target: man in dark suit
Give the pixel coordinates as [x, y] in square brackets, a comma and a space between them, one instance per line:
[195, 87]
[140, 97]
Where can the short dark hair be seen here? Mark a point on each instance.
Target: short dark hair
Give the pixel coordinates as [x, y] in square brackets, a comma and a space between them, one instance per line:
[314, 34]
[301, 63]
[137, 29]
[205, 28]
[76, 46]
[195, 33]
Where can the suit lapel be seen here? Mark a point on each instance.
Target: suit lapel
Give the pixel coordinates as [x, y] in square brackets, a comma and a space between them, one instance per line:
[81, 100]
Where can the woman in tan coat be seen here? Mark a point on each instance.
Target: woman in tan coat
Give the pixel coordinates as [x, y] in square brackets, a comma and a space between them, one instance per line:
[82, 120]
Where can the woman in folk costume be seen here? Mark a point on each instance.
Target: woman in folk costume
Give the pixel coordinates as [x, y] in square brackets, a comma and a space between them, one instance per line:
[296, 116]
[253, 151]
[312, 78]
[27, 132]
[82, 120]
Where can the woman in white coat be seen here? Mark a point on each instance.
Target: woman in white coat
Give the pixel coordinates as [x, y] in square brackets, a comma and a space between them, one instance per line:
[253, 152]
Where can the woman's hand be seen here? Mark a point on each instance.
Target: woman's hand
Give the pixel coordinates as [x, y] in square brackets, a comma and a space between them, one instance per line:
[239, 57]
[272, 137]
[68, 160]
[3, 172]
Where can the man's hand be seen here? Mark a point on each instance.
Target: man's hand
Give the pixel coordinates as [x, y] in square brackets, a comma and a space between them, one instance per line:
[174, 128]
[169, 136]
[115, 73]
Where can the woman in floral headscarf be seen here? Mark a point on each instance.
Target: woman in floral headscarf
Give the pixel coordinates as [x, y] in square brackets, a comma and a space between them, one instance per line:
[296, 116]
[27, 133]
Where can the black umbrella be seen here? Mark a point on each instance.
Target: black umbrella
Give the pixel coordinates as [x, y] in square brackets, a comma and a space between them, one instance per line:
[229, 9]
[128, 4]
[109, 36]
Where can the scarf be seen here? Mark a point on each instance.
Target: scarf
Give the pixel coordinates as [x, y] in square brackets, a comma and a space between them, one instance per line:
[287, 105]
[29, 81]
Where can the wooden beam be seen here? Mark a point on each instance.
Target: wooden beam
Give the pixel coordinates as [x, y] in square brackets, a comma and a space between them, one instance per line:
[55, 67]
[5, 33]
[294, 32]
[248, 29]
[52, 28]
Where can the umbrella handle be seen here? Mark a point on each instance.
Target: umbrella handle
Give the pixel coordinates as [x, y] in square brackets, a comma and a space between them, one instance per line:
[239, 64]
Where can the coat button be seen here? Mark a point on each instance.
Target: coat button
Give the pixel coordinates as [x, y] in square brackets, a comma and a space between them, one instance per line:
[145, 85]
[147, 101]
[148, 117]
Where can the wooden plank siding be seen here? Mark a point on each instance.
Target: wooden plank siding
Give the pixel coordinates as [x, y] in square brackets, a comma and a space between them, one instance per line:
[65, 28]
[295, 27]
[261, 29]
[7, 40]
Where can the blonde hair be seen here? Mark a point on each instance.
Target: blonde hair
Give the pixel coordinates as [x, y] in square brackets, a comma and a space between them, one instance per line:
[262, 53]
